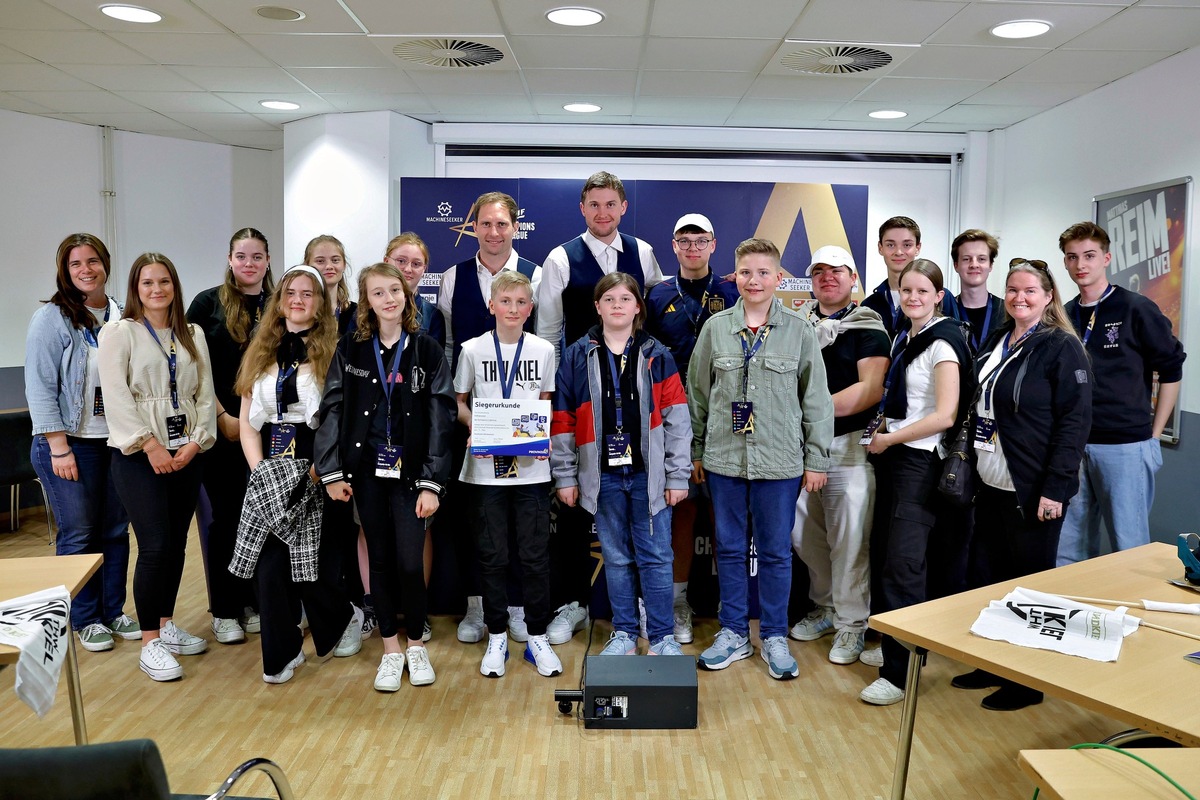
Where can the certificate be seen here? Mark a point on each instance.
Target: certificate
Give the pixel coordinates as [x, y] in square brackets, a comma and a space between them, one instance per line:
[510, 427]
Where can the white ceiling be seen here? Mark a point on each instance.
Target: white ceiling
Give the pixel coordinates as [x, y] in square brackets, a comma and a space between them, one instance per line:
[200, 73]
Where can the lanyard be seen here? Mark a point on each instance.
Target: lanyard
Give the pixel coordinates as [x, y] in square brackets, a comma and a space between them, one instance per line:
[1006, 351]
[616, 376]
[978, 337]
[89, 335]
[171, 361]
[283, 376]
[508, 379]
[389, 377]
[887, 295]
[262, 303]
[749, 351]
[684, 298]
[1087, 334]
[894, 367]
[835, 316]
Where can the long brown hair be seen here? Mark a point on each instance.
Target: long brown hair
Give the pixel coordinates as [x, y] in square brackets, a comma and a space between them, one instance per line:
[343, 291]
[1053, 315]
[237, 319]
[175, 316]
[321, 340]
[68, 297]
[368, 323]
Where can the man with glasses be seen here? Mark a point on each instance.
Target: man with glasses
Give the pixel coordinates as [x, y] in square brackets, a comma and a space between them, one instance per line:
[833, 526]
[973, 253]
[676, 310]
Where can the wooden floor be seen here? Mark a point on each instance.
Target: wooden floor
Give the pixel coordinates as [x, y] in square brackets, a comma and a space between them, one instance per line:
[467, 736]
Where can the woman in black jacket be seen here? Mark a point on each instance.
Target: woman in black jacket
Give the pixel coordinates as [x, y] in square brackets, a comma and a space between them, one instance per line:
[386, 420]
[1034, 412]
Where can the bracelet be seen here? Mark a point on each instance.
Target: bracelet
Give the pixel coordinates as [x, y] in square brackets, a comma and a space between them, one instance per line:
[223, 413]
[62, 455]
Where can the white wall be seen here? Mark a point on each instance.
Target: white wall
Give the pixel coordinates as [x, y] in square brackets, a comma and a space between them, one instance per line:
[179, 197]
[1136, 131]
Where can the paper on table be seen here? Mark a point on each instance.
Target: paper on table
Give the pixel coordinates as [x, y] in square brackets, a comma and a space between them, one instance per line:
[38, 625]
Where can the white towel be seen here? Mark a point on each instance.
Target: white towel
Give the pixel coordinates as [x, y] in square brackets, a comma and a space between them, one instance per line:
[1049, 622]
[38, 625]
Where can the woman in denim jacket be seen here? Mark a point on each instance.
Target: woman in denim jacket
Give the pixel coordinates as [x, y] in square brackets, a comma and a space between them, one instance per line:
[70, 436]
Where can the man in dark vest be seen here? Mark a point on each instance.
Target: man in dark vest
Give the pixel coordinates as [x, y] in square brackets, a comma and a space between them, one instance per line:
[566, 310]
[466, 287]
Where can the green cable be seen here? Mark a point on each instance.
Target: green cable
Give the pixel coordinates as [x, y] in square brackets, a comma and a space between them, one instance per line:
[1144, 762]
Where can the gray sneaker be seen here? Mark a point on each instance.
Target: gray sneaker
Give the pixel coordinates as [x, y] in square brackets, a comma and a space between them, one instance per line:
[727, 647]
[779, 659]
[847, 647]
[620, 644]
[567, 621]
[818, 623]
[666, 646]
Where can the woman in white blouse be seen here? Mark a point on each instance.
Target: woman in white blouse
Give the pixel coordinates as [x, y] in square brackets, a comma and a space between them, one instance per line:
[158, 398]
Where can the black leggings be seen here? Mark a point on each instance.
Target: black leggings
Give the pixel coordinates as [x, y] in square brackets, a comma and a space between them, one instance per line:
[225, 477]
[395, 544]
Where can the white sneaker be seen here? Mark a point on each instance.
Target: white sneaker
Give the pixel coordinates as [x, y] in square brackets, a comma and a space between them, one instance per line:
[538, 653]
[472, 627]
[881, 693]
[494, 657]
[683, 623]
[285, 675]
[872, 656]
[251, 621]
[567, 620]
[351, 641]
[387, 677]
[158, 663]
[516, 624]
[420, 671]
[847, 647]
[179, 641]
[227, 631]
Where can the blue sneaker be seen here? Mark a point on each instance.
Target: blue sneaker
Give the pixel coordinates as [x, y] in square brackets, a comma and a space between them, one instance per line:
[620, 644]
[666, 646]
[779, 659]
[818, 623]
[727, 647]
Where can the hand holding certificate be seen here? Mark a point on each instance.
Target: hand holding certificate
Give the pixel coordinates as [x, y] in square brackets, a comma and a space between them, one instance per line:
[510, 427]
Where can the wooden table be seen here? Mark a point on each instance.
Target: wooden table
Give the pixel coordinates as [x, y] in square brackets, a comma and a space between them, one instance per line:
[22, 576]
[1137, 688]
[1101, 774]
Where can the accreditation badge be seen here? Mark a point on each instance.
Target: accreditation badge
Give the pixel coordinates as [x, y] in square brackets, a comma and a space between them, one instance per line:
[742, 413]
[283, 440]
[98, 404]
[177, 435]
[872, 427]
[985, 435]
[618, 451]
[505, 466]
[388, 460]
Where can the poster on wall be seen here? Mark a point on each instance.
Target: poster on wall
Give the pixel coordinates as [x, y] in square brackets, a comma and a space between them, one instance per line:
[797, 217]
[1147, 228]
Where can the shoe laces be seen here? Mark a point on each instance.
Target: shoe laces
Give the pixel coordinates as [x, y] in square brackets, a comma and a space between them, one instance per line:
[727, 639]
[418, 659]
[95, 629]
[122, 620]
[157, 652]
[777, 649]
[498, 644]
[846, 639]
[391, 665]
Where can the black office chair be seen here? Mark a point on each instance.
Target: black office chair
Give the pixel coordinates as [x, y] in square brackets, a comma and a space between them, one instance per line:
[16, 439]
[131, 770]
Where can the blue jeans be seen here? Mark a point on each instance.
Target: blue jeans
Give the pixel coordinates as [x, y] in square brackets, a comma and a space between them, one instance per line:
[1116, 484]
[635, 545]
[766, 508]
[90, 519]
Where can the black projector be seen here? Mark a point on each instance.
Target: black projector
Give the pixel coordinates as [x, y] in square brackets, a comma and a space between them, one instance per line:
[636, 692]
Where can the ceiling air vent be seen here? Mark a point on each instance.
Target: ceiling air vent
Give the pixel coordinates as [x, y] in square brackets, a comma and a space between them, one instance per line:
[452, 53]
[835, 60]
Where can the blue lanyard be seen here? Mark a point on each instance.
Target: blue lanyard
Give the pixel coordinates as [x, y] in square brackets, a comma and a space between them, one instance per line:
[978, 338]
[616, 376]
[389, 377]
[89, 335]
[748, 352]
[171, 361]
[684, 298]
[283, 376]
[894, 367]
[1006, 350]
[1087, 334]
[887, 295]
[508, 379]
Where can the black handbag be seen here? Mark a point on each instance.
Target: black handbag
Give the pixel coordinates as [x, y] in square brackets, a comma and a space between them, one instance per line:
[957, 482]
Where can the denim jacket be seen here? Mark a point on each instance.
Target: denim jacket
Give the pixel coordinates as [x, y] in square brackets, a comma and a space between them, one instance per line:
[56, 369]
[793, 410]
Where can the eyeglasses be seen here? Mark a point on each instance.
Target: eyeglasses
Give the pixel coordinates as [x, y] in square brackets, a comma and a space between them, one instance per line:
[693, 244]
[1033, 262]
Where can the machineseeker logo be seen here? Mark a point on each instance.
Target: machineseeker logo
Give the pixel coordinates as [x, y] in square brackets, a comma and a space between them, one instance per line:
[444, 212]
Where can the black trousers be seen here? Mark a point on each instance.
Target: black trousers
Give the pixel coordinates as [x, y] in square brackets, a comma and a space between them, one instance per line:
[225, 477]
[1006, 545]
[525, 512]
[395, 543]
[280, 597]
[160, 509]
[571, 562]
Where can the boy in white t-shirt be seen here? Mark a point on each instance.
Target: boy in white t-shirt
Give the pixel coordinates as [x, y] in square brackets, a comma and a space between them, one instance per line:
[510, 490]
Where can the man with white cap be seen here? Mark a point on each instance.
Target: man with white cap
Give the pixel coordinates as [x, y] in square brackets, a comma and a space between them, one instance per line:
[833, 526]
[676, 310]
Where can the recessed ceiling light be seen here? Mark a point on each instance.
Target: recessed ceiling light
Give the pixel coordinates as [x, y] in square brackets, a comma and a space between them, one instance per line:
[131, 14]
[279, 13]
[1021, 29]
[581, 108]
[278, 105]
[575, 17]
[888, 114]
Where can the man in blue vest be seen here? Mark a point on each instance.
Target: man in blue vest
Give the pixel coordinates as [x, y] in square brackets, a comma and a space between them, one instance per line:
[464, 303]
[564, 302]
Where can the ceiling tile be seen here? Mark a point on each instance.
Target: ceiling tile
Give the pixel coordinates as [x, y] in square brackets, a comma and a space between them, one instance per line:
[872, 21]
[378, 101]
[551, 104]
[353, 79]
[921, 91]
[972, 25]
[194, 49]
[21, 104]
[10, 56]
[34, 15]
[681, 83]
[70, 47]
[239, 79]
[1012, 92]
[222, 122]
[177, 15]
[167, 102]
[467, 81]
[720, 55]
[462, 18]
[624, 18]
[39, 77]
[581, 81]
[1081, 66]
[966, 63]
[320, 16]
[809, 87]
[135, 77]
[577, 52]
[688, 110]
[858, 111]
[142, 122]
[79, 102]
[318, 51]
[703, 18]
[997, 116]
[1144, 29]
[309, 103]
[259, 140]
[776, 110]
[503, 105]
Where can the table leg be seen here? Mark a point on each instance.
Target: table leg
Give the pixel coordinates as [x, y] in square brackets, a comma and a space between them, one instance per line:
[908, 717]
[76, 691]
